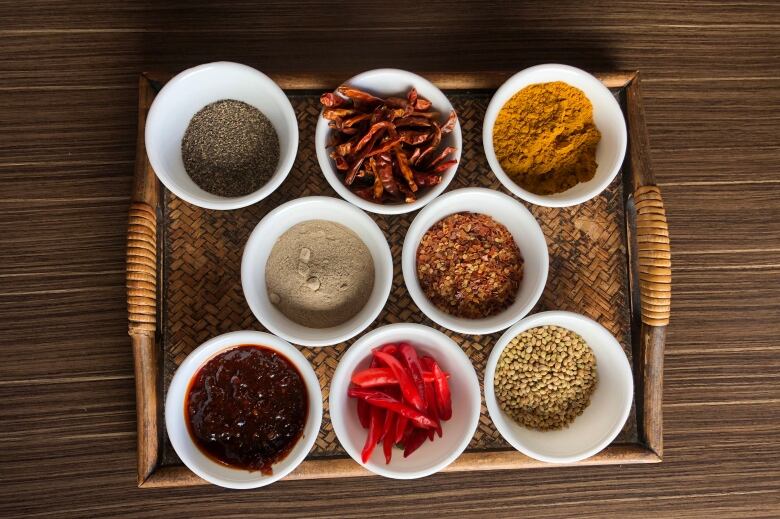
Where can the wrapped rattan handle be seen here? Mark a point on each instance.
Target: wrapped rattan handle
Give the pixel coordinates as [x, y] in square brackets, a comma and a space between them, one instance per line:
[655, 259]
[142, 269]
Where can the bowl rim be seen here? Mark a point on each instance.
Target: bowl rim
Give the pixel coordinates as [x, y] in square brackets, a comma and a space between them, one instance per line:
[157, 113]
[441, 207]
[553, 318]
[506, 180]
[360, 349]
[322, 131]
[336, 204]
[177, 391]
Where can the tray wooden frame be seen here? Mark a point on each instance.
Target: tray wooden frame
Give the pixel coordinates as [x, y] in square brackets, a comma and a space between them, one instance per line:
[649, 280]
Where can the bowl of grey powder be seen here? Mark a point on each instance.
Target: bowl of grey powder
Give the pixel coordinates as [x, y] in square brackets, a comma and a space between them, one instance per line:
[221, 135]
[558, 387]
[316, 271]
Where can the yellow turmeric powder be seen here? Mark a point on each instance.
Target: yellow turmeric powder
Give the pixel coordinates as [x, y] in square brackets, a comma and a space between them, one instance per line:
[545, 139]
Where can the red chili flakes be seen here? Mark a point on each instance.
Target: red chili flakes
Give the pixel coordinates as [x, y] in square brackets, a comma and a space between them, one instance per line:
[469, 265]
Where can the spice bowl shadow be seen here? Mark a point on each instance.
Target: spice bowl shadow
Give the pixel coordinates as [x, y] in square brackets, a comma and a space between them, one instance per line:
[391, 82]
[457, 432]
[261, 242]
[176, 419]
[601, 421]
[607, 116]
[518, 221]
[190, 91]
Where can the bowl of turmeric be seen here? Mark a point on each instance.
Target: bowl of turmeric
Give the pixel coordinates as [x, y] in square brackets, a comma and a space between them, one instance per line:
[554, 135]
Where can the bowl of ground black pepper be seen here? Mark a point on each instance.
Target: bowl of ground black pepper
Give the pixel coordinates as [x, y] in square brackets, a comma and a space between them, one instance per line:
[475, 261]
[221, 135]
[558, 387]
[554, 135]
[243, 409]
[316, 271]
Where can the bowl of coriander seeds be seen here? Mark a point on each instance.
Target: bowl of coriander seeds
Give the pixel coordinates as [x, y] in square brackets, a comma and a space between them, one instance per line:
[558, 387]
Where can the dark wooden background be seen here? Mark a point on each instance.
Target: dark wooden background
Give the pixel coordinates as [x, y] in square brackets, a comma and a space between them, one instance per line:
[68, 89]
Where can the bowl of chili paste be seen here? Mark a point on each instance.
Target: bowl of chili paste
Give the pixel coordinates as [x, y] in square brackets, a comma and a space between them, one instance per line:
[243, 409]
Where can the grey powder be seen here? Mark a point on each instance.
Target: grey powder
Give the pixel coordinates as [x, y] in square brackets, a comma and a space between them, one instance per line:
[319, 274]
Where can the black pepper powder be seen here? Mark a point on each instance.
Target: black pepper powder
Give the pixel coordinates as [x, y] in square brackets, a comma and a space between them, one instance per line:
[230, 148]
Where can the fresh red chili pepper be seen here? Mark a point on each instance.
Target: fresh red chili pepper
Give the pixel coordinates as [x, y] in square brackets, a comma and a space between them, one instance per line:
[443, 397]
[385, 401]
[390, 348]
[430, 434]
[372, 377]
[374, 433]
[364, 413]
[413, 442]
[408, 387]
[413, 366]
[433, 411]
[401, 425]
[388, 435]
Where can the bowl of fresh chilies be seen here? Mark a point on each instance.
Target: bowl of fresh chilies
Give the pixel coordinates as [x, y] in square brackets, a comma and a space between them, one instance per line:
[393, 397]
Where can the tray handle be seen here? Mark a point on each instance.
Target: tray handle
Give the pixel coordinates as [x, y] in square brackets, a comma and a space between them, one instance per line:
[654, 256]
[142, 270]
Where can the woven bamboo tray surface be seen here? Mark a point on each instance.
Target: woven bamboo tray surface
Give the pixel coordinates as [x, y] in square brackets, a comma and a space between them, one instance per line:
[202, 295]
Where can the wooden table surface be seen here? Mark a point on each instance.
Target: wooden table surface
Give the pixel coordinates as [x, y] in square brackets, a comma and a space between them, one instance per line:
[68, 90]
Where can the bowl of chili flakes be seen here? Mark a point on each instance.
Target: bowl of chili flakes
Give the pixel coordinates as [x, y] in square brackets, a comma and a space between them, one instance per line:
[475, 261]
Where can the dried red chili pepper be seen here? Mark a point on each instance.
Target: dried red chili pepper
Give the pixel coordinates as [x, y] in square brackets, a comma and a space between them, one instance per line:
[385, 401]
[427, 179]
[414, 138]
[385, 147]
[333, 114]
[444, 166]
[441, 156]
[422, 104]
[385, 171]
[403, 165]
[450, 124]
[359, 95]
[332, 100]
[412, 121]
[435, 141]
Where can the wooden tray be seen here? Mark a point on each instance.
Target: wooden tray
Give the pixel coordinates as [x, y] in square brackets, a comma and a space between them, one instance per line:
[609, 259]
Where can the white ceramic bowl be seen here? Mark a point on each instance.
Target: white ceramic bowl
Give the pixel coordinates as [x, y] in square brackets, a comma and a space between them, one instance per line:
[185, 95]
[176, 421]
[607, 116]
[528, 236]
[601, 421]
[276, 223]
[391, 82]
[433, 456]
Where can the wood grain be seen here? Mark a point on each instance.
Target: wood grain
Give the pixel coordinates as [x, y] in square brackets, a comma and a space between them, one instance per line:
[67, 144]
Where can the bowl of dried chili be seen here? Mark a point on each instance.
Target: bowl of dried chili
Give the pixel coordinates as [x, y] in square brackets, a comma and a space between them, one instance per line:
[404, 401]
[388, 141]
